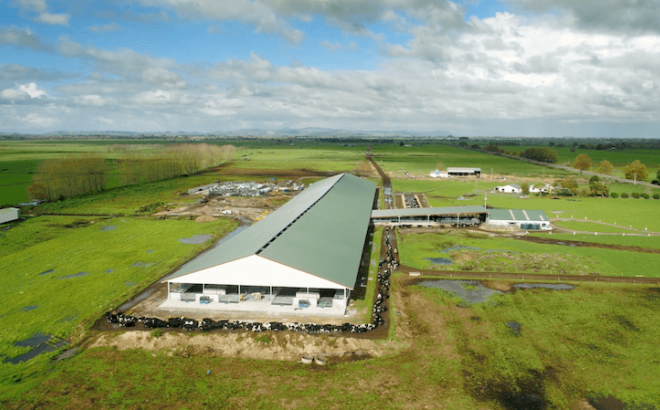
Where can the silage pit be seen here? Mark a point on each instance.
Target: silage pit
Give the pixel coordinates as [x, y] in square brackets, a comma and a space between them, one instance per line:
[40, 343]
[196, 240]
[468, 291]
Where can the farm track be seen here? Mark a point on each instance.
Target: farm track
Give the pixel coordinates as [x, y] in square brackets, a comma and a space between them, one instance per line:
[582, 244]
[528, 276]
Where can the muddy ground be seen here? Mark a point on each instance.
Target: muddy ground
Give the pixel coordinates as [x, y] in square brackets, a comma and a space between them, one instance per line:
[549, 241]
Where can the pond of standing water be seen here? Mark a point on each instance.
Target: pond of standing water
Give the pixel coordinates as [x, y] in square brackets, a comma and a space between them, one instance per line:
[468, 290]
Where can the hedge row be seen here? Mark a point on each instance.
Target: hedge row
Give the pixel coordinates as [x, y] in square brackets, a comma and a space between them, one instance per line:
[634, 195]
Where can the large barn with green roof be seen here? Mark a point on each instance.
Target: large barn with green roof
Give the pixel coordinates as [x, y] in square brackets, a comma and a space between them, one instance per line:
[306, 253]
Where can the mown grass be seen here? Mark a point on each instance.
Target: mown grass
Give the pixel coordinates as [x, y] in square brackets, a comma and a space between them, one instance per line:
[593, 227]
[321, 158]
[510, 255]
[118, 263]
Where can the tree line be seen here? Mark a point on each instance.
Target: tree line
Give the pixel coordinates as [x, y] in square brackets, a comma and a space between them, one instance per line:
[60, 178]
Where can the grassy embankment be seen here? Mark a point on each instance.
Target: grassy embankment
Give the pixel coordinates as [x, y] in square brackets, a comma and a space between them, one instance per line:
[509, 255]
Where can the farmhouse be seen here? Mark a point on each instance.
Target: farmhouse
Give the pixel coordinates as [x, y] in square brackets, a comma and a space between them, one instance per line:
[541, 188]
[518, 218]
[8, 214]
[304, 256]
[509, 189]
[463, 172]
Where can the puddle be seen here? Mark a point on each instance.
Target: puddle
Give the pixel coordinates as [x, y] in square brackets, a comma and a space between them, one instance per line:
[439, 261]
[131, 283]
[29, 308]
[67, 354]
[47, 271]
[514, 328]
[40, 343]
[109, 271]
[68, 319]
[150, 251]
[522, 401]
[75, 275]
[607, 403]
[469, 291]
[136, 300]
[108, 228]
[196, 240]
[143, 264]
[552, 286]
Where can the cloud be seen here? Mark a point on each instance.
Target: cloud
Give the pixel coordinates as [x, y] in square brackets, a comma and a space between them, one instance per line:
[105, 28]
[259, 14]
[157, 97]
[330, 47]
[92, 100]
[32, 90]
[23, 39]
[628, 17]
[41, 9]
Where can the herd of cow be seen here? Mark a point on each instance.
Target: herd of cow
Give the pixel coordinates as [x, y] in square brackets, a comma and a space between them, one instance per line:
[389, 264]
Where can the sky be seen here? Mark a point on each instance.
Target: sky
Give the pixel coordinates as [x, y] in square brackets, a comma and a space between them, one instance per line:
[537, 68]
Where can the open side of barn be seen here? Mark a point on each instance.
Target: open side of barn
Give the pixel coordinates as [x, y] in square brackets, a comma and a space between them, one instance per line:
[303, 257]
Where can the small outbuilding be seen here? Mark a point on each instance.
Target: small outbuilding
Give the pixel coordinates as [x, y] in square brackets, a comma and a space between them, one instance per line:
[509, 189]
[9, 214]
[540, 189]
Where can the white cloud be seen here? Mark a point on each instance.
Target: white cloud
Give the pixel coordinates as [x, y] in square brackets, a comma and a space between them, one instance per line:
[157, 97]
[32, 90]
[41, 9]
[92, 100]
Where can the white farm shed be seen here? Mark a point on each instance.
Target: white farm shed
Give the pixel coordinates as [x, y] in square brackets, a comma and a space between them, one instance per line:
[540, 188]
[518, 218]
[439, 174]
[509, 189]
[305, 254]
[8, 214]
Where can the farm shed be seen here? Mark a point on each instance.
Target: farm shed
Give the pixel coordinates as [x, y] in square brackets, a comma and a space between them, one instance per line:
[305, 255]
[439, 174]
[8, 214]
[541, 188]
[509, 189]
[453, 215]
[518, 218]
[463, 171]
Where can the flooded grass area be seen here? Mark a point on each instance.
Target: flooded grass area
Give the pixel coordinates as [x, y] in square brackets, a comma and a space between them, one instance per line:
[551, 345]
[467, 291]
[39, 343]
[480, 253]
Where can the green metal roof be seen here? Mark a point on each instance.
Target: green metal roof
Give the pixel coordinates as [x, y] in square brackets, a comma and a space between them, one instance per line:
[517, 215]
[320, 231]
[449, 210]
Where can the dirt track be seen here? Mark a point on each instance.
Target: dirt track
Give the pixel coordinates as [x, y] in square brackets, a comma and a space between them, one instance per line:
[529, 276]
[580, 244]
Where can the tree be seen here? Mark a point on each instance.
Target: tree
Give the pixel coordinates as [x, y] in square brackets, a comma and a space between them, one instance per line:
[636, 170]
[582, 162]
[605, 167]
[525, 188]
[598, 188]
[540, 154]
[658, 175]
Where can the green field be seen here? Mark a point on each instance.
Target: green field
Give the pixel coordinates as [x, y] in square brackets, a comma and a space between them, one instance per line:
[61, 272]
[595, 341]
[421, 160]
[637, 241]
[42, 256]
[478, 252]
[593, 227]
